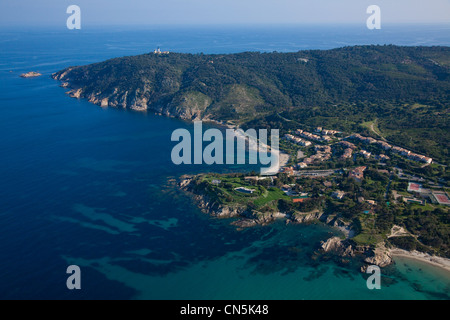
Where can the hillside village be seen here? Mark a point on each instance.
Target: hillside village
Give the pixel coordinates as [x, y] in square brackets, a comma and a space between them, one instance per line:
[324, 152]
[329, 145]
[361, 185]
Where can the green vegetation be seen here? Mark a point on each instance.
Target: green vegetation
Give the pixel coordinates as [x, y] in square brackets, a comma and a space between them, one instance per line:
[399, 93]
[364, 206]
[410, 244]
[373, 127]
[291, 149]
[225, 192]
[267, 197]
[431, 226]
[406, 90]
[272, 195]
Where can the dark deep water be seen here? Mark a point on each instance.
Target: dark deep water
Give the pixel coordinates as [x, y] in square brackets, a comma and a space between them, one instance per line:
[90, 186]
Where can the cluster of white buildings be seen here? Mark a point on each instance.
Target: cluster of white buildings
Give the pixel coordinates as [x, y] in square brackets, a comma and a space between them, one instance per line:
[309, 136]
[327, 132]
[158, 51]
[313, 137]
[349, 147]
[323, 153]
[412, 156]
[298, 140]
[386, 146]
[303, 137]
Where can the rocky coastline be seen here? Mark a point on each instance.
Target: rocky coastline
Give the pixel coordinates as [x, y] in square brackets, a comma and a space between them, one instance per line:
[190, 108]
[136, 100]
[381, 255]
[342, 247]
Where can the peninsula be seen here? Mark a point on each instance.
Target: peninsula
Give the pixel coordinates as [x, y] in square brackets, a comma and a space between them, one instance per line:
[403, 92]
[366, 129]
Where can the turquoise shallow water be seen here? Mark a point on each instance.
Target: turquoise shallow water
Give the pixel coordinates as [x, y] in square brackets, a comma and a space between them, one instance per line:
[90, 186]
[278, 267]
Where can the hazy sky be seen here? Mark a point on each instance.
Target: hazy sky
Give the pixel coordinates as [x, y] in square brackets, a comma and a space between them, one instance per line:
[155, 12]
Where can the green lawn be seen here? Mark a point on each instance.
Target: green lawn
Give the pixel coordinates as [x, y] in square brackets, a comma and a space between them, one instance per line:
[369, 234]
[368, 238]
[271, 195]
[260, 197]
[426, 207]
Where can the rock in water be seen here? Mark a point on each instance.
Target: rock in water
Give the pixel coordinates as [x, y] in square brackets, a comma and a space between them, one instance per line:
[31, 74]
[381, 257]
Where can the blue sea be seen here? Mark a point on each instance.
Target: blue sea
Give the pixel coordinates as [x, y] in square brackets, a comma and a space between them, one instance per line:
[94, 187]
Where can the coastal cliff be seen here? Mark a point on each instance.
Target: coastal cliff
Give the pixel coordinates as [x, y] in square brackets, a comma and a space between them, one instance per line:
[208, 205]
[220, 210]
[246, 85]
[246, 218]
[378, 255]
[151, 92]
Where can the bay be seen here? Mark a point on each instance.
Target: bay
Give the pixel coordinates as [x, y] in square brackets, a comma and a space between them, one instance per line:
[90, 186]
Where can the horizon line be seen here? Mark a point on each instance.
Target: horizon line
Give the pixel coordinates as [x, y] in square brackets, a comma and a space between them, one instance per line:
[235, 25]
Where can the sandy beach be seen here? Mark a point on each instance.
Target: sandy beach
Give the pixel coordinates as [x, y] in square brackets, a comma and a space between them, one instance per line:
[284, 159]
[440, 262]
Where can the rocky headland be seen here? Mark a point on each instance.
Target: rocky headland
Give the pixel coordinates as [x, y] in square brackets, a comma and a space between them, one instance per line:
[343, 247]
